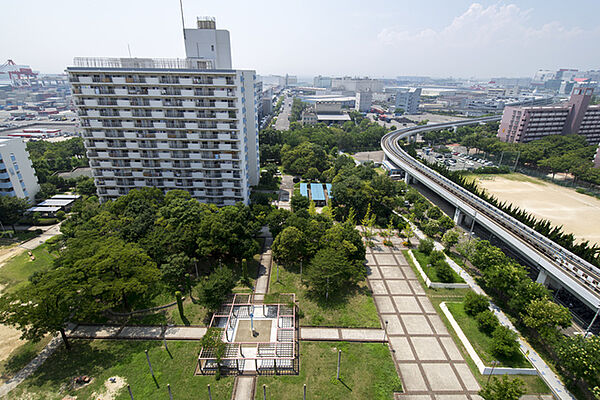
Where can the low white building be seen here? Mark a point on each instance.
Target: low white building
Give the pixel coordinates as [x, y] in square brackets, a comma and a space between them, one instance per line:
[17, 176]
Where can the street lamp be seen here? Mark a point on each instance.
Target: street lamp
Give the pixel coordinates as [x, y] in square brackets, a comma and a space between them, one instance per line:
[494, 364]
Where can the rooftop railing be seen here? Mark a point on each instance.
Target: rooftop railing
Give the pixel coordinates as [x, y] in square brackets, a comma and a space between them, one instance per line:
[157, 63]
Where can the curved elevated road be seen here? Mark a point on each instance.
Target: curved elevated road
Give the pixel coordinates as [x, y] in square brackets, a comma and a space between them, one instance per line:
[579, 277]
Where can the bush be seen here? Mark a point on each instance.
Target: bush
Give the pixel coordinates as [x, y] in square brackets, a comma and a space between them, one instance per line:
[60, 215]
[444, 272]
[426, 246]
[504, 342]
[487, 322]
[216, 288]
[475, 303]
[436, 256]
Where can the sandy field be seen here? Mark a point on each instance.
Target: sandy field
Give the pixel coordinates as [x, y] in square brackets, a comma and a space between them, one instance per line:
[577, 213]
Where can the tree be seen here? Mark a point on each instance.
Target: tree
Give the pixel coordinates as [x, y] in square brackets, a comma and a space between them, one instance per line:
[85, 186]
[12, 209]
[486, 255]
[289, 247]
[503, 388]
[504, 342]
[475, 303]
[445, 223]
[42, 306]
[545, 317]
[299, 202]
[487, 322]
[216, 287]
[213, 340]
[581, 357]
[431, 228]
[329, 273]
[434, 213]
[444, 271]
[425, 246]
[450, 239]
[174, 270]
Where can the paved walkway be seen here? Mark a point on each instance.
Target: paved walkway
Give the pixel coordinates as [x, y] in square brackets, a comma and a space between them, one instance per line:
[31, 367]
[48, 232]
[243, 388]
[262, 281]
[428, 360]
[346, 334]
[137, 332]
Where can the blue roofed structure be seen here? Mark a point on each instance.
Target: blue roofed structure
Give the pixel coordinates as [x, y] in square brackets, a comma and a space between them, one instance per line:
[316, 192]
[304, 189]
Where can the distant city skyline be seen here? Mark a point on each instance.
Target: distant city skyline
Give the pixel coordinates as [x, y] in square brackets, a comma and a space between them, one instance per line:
[461, 39]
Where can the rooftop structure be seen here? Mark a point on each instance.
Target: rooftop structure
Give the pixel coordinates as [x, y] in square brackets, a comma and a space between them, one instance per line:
[259, 338]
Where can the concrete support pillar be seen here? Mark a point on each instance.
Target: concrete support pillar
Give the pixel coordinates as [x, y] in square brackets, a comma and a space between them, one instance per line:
[458, 216]
[407, 178]
[543, 278]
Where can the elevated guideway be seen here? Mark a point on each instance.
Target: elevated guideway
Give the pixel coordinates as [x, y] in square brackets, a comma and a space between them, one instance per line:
[557, 264]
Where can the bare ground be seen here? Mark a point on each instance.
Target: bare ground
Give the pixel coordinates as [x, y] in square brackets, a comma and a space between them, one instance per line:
[576, 212]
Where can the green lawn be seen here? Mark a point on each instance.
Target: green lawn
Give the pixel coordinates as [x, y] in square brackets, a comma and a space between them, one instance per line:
[355, 309]
[17, 237]
[430, 271]
[367, 372]
[21, 356]
[482, 342]
[104, 359]
[18, 269]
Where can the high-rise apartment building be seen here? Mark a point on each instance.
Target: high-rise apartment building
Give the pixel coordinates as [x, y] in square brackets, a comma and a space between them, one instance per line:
[188, 124]
[17, 177]
[577, 116]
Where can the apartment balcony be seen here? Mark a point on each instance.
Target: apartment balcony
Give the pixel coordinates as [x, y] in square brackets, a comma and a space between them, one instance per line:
[123, 92]
[186, 81]
[154, 92]
[188, 104]
[118, 80]
[85, 79]
[155, 103]
[88, 91]
[152, 80]
[158, 114]
[189, 115]
[128, 124]
[94, 123]
[187, 92]
[90, 102]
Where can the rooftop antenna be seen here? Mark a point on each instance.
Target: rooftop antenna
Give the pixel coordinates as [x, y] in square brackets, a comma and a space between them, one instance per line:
[182, 19]
[129, 50]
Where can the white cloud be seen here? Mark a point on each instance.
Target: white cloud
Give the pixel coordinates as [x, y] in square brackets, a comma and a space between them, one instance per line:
[493, 39]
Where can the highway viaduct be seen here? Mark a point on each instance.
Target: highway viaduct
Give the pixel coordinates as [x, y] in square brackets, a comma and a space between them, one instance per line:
[558, 267]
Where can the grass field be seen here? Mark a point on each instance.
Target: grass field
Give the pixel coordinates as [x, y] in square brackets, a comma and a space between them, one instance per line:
[126, 359]
[367, 372]
[431, 272]
[355, 310]
[480, 341]
[18, 269]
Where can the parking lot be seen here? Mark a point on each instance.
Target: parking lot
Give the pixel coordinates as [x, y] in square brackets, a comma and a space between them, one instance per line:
[455, 161]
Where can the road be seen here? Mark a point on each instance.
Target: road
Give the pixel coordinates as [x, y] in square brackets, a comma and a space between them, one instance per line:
[283, 119]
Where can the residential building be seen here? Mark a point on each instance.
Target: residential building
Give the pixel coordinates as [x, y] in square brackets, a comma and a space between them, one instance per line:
[17, 176]
[363, 101]
[171, 123]
[309, 116]
[408, 100]
[577, 116]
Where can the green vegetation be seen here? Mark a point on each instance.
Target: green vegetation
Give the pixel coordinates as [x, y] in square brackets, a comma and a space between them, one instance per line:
[18, 269]
[354, 308]
[51, 157]
[503, 388]
[125, 359]
[432, 270]
[367, 372]
[297, 107]
[11, 210]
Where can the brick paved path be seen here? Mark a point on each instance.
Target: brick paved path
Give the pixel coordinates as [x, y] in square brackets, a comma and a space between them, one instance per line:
[428, 360]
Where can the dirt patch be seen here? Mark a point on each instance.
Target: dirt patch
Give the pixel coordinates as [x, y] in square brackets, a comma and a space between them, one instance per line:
[112, 387]
[576, 212]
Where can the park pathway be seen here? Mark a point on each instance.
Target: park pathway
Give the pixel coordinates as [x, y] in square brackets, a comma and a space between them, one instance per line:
[264, 271]
[427, 359]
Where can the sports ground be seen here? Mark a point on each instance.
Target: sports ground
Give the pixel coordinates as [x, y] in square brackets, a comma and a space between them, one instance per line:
[578, 213]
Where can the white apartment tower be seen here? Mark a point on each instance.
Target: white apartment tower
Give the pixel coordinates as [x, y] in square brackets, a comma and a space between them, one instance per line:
[188, 124]
[17, 176]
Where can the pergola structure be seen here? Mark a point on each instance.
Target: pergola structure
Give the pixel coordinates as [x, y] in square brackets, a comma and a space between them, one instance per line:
[260, 338]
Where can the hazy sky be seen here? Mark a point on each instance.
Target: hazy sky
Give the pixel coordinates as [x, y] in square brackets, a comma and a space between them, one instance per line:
[305, 37]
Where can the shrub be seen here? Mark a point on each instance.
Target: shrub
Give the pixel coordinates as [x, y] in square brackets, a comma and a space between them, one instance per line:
[426, 246]
[504, 342]
[475, 303]
[487, 322]
[60, 215]
[444, 272]
[436, 256]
